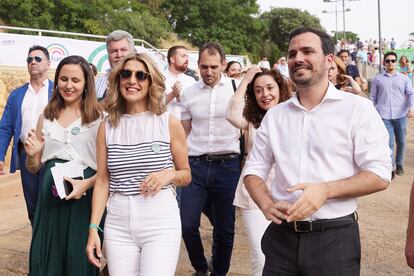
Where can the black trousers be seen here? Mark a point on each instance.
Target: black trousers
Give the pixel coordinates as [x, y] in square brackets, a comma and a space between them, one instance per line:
[334, 251]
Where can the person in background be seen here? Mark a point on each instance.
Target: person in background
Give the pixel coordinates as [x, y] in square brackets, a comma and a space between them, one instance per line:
[392, 96]
[264, 63]
[338, 77]
[141, 155]
[119, 44]
[257, 93]
[23, 107]
[233, 69]
[214, 160]
[65, 132]
[405, 67]
[283, 67]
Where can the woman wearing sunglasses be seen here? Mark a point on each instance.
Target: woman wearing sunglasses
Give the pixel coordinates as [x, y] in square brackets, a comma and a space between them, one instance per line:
[65, 132]
[260, 90]
[141, 154]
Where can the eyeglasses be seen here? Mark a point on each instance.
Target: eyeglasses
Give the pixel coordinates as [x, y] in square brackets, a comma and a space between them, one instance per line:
[38, 59]
[139, 75]
[390, 60]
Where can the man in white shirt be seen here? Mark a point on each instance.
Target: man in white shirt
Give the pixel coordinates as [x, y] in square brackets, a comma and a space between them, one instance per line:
[119, 44]
[264, 63]
[24, 105]
[327, 148]
[175, 79]
[283, 67]
[213, 154]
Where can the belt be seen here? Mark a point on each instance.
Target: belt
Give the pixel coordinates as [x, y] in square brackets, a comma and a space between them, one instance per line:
[216, 157]
[320, 225]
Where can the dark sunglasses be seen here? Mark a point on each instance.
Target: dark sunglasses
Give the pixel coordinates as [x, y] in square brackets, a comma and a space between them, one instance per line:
[38, 59]
[139, 75]
[390, 60]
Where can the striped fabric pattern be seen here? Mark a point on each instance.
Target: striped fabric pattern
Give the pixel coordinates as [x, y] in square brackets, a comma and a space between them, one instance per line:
[129, 165]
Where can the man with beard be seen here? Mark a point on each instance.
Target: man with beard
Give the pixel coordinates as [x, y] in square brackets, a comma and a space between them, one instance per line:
[214, 149]
[20, 115]
[327, 148]
[175, 79]
[119, 44]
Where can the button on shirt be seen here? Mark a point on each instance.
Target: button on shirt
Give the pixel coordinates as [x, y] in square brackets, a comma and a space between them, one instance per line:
[340, 137]
[32, 106]
[392, 95]
[174, 107]
[206, 108]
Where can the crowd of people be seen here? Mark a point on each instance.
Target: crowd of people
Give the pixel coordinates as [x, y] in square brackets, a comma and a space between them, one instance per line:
[292, 146]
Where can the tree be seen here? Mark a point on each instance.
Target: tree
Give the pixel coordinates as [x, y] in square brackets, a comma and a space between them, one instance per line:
[233, 23]
[93, 17]
[349, 36]
[281, 21]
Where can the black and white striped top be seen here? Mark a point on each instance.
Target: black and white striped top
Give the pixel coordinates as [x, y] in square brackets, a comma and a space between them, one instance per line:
[138, 146]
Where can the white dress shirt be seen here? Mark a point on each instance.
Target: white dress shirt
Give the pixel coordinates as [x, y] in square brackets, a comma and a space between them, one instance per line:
[340, 137]
[174, 106]
[32, 106]
[206, 108]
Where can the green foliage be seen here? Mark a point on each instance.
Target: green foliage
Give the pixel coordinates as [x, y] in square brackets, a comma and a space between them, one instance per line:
[349, 36]
[93, 16]
[236, 24]
[281, 21]
[233, 23]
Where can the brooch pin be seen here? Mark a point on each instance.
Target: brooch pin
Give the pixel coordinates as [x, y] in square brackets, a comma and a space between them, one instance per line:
[75, 130]
[156, 148]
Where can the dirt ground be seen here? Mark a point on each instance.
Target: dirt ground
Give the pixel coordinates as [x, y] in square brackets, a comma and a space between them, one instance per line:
[382, 218]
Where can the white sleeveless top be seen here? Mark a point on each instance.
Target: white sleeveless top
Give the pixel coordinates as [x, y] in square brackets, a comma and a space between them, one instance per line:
[76, 142]
[138, 146]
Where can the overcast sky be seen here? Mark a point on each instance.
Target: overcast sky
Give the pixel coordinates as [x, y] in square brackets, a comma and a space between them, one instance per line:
[397, 16]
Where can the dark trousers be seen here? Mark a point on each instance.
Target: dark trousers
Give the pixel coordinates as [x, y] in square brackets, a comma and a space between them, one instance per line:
[215, 181]
[335, 251]
[31, 184]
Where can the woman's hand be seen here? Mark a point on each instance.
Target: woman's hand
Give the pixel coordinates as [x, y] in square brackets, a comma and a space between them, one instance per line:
[79, 187]
[93, 248]
[251, 73]
[33, 145]
[153, 183]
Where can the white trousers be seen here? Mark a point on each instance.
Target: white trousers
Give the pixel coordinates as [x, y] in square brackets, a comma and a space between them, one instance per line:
[142, 235]
[255, 224]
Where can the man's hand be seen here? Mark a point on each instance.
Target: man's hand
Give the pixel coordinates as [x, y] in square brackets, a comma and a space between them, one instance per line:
[312, 198]
[410, 113]
[2, 168]
[276, 211]
[176, 90]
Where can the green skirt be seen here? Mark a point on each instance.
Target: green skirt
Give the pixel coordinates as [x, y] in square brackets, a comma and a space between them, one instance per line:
[60, 231]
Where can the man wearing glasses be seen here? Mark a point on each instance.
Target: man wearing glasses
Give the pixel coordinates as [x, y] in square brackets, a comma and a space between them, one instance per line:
[392, 95]
[24, 105]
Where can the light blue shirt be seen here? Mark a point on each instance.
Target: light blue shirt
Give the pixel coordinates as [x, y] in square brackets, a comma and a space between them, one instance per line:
[392, 95]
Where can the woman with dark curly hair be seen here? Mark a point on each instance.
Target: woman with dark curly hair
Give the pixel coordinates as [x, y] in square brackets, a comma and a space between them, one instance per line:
[259, 91]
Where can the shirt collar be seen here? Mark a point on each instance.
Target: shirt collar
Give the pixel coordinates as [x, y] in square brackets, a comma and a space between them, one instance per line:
[332, 94]
[385, 73]
[45, 84]
[222, 81]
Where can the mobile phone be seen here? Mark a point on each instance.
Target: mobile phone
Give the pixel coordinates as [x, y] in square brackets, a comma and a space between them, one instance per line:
[68, 186]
